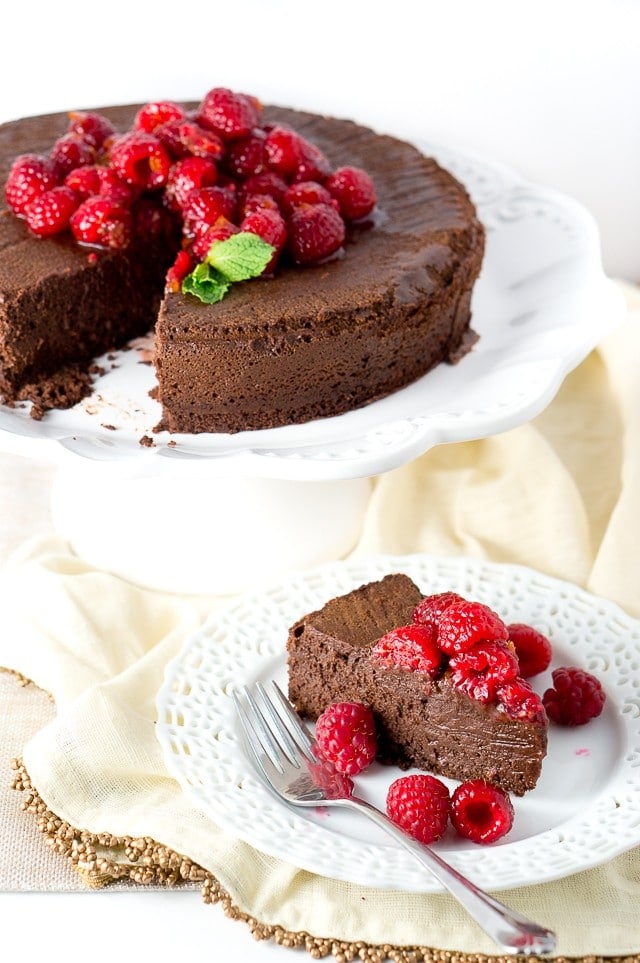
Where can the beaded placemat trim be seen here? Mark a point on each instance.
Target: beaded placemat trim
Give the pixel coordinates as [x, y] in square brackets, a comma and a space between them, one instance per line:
[102, 858]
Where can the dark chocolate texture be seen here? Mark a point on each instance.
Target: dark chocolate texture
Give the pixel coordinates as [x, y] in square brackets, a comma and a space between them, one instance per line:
[422, 723]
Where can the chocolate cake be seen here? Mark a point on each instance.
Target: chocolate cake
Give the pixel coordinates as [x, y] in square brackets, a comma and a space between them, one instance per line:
[421, 722]
[310, 342]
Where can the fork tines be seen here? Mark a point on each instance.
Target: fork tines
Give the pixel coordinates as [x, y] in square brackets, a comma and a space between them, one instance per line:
[272, 726]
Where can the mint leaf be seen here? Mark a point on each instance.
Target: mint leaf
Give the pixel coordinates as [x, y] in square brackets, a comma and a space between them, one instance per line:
[241, 256]
[206, 283]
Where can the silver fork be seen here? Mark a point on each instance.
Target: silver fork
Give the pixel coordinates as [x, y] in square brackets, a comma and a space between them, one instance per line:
[283, 751]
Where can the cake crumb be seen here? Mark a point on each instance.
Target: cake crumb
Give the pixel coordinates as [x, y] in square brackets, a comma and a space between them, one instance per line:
[109, 427]
[147, 441]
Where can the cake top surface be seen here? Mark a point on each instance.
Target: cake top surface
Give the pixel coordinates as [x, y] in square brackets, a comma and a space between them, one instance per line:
[424, 217]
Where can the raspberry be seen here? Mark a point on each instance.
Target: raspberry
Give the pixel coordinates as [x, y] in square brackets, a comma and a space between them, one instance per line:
[283, 150]
[199, 142]
[354, 191]
[576, 697]
[480, 671]
[411, 647]
[69, 152]
[156, 113]
[101, 221]
[203, 208]
[315, 233]
[221, 230]
[185, 176]
[334, 784]
[113, 187]
[518, 700]
[30, 176]
[429, 610]
[141, 159]
[346, 736]
[481, 812]
[419, 805]
[265, 183]
[247, 156]
[51, 212]
[169, 136]
[228, 114]
[306, 192]
[257, 202]
[85, 181]
[462, 624]
[270, 226]
[532, 648]
[178, 271]
[92, 127]
[313, 165]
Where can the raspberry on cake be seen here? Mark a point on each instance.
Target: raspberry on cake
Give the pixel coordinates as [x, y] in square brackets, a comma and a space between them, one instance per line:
[370, 253]
[492, 728]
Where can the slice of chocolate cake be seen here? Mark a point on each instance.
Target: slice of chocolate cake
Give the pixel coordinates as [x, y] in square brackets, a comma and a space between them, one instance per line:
[422, 722]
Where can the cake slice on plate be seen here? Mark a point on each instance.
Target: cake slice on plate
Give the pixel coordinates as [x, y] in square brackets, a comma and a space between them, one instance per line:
[425, 718]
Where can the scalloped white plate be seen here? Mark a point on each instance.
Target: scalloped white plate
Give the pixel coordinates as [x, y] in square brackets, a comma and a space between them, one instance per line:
[540, 305]
[584, 810]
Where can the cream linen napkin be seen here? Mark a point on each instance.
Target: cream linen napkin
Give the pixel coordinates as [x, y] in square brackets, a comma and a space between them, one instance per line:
[561, 495]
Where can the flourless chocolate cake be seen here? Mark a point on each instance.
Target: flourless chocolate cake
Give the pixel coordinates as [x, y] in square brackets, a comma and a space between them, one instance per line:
[421, 722]
[309, 342]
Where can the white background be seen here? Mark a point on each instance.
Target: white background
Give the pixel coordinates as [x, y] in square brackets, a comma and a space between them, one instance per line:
[550, 88]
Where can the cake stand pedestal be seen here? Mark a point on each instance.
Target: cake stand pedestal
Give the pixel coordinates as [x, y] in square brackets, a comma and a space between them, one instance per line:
[194, 534]
[214, 514]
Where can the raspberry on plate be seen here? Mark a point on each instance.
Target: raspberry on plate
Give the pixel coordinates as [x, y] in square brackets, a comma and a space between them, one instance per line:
[575, 698]
[346, 736]
[411, 647]
[420, 806]
[481, 812]
[532, 648]
[463, 624]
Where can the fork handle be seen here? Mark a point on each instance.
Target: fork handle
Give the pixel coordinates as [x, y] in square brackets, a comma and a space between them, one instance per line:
[511, 931]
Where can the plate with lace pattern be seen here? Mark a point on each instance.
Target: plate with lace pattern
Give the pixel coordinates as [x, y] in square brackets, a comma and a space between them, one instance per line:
[584, 810]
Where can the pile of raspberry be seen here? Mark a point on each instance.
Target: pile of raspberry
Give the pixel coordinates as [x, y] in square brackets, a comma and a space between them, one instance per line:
[471, 643]
[209, 173]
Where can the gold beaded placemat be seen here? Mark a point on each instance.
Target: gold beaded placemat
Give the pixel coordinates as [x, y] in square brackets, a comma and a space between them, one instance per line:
[93, 861]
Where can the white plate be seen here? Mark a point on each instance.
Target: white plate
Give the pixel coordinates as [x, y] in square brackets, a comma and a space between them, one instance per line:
[540, 305]
[584, 810]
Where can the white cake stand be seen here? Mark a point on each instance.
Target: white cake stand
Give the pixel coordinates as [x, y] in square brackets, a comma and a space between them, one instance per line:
[215, 513]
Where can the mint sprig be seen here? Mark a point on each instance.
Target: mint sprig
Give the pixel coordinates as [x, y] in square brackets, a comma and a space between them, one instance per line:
[238, 258]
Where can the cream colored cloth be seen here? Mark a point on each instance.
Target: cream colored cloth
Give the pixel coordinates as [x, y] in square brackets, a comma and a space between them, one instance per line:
[561, 495]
